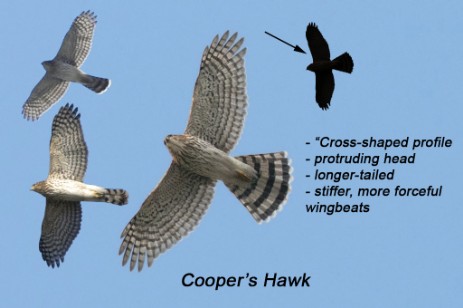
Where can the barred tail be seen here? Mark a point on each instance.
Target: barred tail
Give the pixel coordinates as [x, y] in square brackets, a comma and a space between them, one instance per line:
[116, 196]
[343, 63]
[265, 196]
[97, 84]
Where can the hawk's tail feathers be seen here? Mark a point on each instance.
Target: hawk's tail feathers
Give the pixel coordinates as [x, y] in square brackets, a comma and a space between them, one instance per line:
[116, 196]
[343, 63]
[265, 196]
[97, 84]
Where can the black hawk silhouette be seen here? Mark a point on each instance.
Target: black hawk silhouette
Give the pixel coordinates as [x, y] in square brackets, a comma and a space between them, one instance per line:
[323, 67]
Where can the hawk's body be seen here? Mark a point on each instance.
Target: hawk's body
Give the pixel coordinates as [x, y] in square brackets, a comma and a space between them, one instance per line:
[200, 158]
[70, 190]
[64, 188]
[323, 66]
[64, 68]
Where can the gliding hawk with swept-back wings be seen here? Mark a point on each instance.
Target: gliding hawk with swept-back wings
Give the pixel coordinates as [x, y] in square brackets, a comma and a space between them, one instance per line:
[64, 68]
[64, 188]
[200, 158]
[323, 67]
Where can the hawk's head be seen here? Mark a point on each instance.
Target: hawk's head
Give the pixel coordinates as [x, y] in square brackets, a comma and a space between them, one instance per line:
[175, 144]
[47, 65]
[181, 146]
[39, 187]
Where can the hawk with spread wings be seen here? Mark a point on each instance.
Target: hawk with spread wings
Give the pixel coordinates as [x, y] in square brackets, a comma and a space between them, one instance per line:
[64, 189]
[200, 158]
[64, 68]
[323, 67]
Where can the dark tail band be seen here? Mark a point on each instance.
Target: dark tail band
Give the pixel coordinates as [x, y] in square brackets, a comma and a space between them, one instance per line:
[265, 196]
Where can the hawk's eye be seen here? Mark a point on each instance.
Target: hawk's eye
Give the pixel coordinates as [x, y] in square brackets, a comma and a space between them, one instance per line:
[167, 139]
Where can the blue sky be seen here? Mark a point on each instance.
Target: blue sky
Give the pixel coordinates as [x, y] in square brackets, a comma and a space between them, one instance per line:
[405, 252]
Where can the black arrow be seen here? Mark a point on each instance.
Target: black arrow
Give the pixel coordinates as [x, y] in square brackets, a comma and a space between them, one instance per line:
[296, 48]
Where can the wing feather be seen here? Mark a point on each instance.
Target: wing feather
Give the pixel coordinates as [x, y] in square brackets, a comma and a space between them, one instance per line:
[60, 226]
[78, 40]
[168, 214]
[324, 88]
[317, 43]
[68, 150]
[44, 95]
[219, 98]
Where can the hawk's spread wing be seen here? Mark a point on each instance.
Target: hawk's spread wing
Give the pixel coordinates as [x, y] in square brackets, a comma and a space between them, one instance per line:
[317, 44]
[60, 226]
[68, 151]
[47, 92]
[78, 41]
[219, 99]
[169, 213]
[324, 87]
